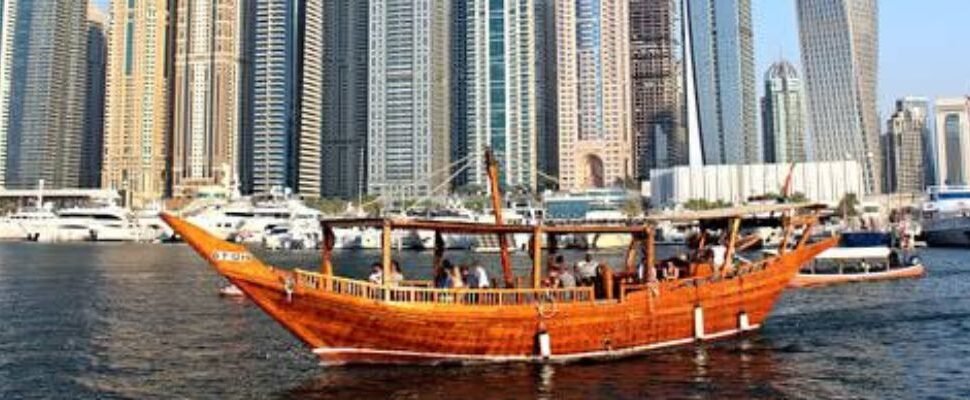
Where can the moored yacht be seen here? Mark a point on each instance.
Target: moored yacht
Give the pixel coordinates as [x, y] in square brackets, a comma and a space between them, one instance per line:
[18, 225]
[946, 216]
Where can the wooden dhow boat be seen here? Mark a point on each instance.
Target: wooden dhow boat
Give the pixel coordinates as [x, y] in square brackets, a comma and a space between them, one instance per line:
[350, 321]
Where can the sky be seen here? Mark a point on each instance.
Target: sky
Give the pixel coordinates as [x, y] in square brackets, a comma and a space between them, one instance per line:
[922, 45]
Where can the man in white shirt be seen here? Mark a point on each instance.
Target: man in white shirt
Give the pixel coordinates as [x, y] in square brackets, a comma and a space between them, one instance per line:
[586, 269]
[719, 252]
[482, 276]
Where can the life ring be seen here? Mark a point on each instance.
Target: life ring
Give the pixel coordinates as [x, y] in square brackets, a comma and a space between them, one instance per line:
[546, 306]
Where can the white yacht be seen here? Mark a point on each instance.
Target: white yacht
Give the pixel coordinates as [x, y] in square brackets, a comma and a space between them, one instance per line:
[946, 216]
[108, 223]
[19, 225]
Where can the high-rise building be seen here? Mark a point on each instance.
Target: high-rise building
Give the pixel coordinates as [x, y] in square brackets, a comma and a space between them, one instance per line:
[659, 136]
[47, 66]
[953, 141]
[137, 102]
[207, 93]
[502, 110]
[593, 93]
[282, 146]
[92, 142]
[903, 147]
[345, 119]
[409, 111]
[723, 65]
[547, 141]
[8, 15]
[783, 115]
[921, 105]
[459, 89]
[839, 46]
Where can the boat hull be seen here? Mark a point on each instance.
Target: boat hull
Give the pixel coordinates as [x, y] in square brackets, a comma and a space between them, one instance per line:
[345, 329]
[810, 280]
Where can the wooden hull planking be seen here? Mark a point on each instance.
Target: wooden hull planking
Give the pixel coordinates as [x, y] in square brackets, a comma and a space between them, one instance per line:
[343, 329]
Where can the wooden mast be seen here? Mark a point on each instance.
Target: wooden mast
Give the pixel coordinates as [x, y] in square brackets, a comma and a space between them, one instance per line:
[496, 196]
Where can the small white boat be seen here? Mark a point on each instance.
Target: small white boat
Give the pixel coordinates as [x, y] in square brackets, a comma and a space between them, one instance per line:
[858, 264]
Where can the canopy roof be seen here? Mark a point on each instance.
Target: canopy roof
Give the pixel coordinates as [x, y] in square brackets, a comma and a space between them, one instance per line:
[632, 226]
[734, 212]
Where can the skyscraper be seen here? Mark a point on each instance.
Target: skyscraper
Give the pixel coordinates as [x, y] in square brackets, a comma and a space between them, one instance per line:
[45, 124]
[904, 146]
[782, 115]
[137, 102]
[839, 46]
[282, 146]
[593, 93]
[345, 119]
[408, 139]
[501, 79]
[658, 131]
[953, 141]
[459, 89]
[207, 93]
[723, 62]
[92, 142]
[8, 14]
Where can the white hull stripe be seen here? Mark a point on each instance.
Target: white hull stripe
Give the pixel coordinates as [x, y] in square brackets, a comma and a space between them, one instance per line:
[324, 351]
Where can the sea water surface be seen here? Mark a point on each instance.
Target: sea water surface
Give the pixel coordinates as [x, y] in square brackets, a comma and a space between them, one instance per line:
[145, 321]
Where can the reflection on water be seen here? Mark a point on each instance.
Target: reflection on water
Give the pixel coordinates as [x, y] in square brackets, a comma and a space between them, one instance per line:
[140, 321]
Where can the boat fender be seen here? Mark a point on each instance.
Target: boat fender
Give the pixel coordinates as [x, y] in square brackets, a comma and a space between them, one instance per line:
[698, 322]
[544, 344]
[288, 287]
[744, 324]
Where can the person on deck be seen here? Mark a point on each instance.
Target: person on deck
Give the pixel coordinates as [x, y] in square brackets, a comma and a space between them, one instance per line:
[567, 280]
[455, 277]
[397, 276]
[671, 272]
[442, 278]
[470, 278]
[376, 274]
[719, 253]
[481, 276]
[586, 270]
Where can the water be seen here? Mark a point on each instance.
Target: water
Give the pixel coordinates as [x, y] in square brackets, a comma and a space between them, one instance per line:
[144, 321]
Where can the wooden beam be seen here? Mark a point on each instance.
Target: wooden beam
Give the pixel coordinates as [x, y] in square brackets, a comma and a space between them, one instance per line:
[732, 242]
[631, 253]
[496, 196]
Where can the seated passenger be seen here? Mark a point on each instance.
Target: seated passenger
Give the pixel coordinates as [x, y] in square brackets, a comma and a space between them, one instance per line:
[376, 274]
[470, 278]
[397, 276]
[671, 272]
[442, 278]
[455, 277]
[567, 280]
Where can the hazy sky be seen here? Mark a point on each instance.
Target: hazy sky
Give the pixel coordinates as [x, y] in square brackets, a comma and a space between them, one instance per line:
[923, 50]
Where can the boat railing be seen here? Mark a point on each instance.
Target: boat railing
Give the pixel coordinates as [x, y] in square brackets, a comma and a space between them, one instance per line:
[412, 294]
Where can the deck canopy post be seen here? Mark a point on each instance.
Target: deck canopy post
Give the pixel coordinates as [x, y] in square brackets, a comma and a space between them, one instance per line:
[650, 247]
[536, 252]
[786, 235]
[439, 252]
[386, 256]
[734, 225]
[326, 265]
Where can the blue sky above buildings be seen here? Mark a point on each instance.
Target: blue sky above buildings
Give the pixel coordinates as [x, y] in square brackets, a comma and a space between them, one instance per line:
[922, 45]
